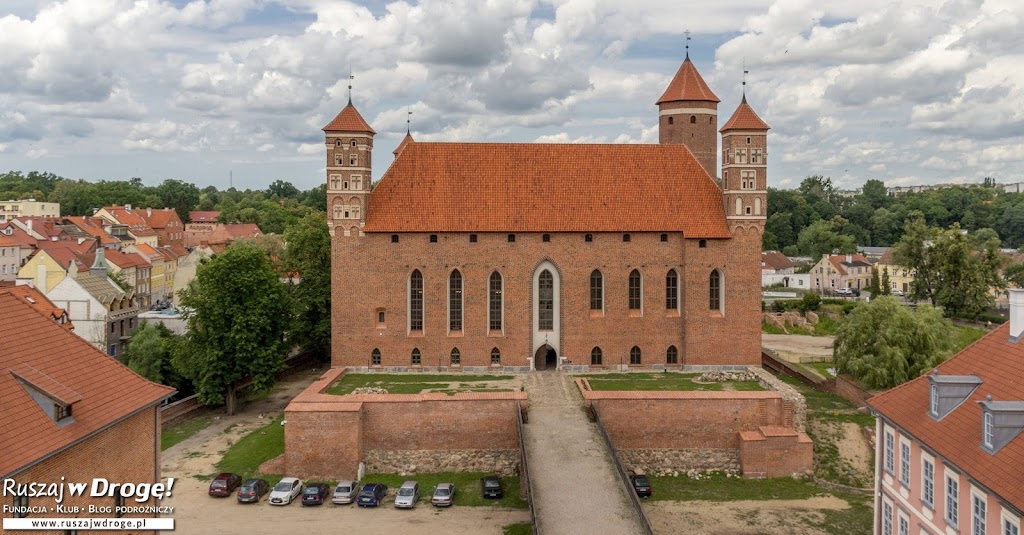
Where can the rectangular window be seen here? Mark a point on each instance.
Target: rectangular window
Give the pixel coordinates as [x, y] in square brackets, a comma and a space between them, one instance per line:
[928, 483]
[904, 524]
[511, 238]
[21, 505]
[380, 316]
[596, 290]
[741, 155]
[988, 432]
[979, 512]
[890, 452]
[61, 411]
[1009, 528]
[755, 155]
[634, 290]
[886, 518]
[546, 238]
[671, 291]
[952, 500]
[472, 238]
[113, 350]
[416, 301]
[433, 238]
[905, 464]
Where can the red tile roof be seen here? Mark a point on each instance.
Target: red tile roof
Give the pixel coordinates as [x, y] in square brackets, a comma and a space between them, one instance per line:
[135, 222]
[159, 219]
[242, 230]
[203, 217]
[41, 304]
[86, 245]
[405, 141]
[688, 85]
[109, 390]
[839, 262]
[744, 118]
[776, 260]
[957, 437]
[348, 120]
[44, 226]
[23, 238]
[118, 258]
[506, 187]
[63, 256]
[93, 226]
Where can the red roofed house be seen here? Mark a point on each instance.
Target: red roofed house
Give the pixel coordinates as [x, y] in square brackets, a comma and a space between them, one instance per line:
[841, 271]
[135, 268]
[41, 304]
[168, 226]
[138, 228]
[776, 263]
[68, 411]
[950, 458]
[10, 258]
[203, 217]
[530, 255]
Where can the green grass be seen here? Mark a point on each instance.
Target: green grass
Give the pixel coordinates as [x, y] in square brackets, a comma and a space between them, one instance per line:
[660, 381]
[259, 446]
[411, 383]
[522, 528]
[769, 328]
[964, 336]
[467, 487]
[857, 520]
[179, 432]
[719, 488]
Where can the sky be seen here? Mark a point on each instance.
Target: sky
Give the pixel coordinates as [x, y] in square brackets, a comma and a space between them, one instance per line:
[219, 91]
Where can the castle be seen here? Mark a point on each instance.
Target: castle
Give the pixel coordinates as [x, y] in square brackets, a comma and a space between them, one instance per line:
[529, 256]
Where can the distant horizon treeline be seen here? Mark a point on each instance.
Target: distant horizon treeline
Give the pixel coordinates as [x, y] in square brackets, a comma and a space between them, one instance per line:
[273, 209]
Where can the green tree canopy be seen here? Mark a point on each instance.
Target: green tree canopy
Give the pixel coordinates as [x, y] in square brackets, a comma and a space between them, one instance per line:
[147, 353]
[237, 313]
[824, 237]
[884, 344]
[308, 253]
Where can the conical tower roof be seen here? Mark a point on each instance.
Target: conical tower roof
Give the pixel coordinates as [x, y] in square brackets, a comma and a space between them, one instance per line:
[744, 118]
[405, 142]
[688, 85]
[349, 120]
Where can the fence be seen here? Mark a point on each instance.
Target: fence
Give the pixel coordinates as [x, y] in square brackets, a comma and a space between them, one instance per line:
[525, 481]
[633, 498]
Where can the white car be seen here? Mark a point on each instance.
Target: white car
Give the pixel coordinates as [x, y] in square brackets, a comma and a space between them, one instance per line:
[897, 292]
[408, 495]
[345, 492]
[285, 491]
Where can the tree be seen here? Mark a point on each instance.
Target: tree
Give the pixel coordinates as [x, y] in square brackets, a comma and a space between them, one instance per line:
[1015, 275]
[121, 280]
[875, 286]
[884, 344]
[282, 189]
[181, 196]
[885, 285]
[308, 253]
[823, 237]
[237, 312]
[912, 251]
[874, 194]
[147, 353]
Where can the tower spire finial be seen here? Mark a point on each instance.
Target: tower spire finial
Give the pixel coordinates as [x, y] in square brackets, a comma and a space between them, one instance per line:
[350, 78]
[408, 121]
[687, 32]
[745, 72]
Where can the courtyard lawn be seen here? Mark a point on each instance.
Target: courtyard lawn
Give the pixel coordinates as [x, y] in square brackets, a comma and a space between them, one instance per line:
[259, 446]
[179, 432]
[664, 381]
[419, 383]
[467, 487]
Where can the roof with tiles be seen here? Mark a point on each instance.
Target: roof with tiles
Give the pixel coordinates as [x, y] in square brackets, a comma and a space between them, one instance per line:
[36, 346]
[349, 120]
[148, 252]
[118, 258]
[776, 260]
[17, 234]
[957, 437]
[744, 118]
[80, 246]
[99, 286]
[688, 84]
[160, 219]
[63, 256]
[132, 218]
[42, 304]
[405, 141]
[535, 187]
[94, 227]
[44, 226]
[840, 263]
[203, 217]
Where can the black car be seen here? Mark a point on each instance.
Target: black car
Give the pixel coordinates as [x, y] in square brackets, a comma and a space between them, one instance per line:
[641, 485]
[491, 487]
[372, 495]
[252, 490]
[315, 494]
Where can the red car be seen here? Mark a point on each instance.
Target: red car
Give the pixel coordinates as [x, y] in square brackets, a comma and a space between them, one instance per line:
[225, 484]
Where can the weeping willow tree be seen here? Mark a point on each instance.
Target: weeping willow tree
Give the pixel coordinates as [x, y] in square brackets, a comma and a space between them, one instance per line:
[884, 344]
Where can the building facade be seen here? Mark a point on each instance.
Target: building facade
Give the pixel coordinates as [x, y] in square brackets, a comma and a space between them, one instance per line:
[841, 271]
[949, 450]
[534, 256]
[28, 207]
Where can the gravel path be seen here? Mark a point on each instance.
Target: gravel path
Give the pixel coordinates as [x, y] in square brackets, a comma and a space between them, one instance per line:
[576, 487]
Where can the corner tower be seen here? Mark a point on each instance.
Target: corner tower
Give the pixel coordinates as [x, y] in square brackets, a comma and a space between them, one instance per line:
[745, 167]
[688, 115]
[349, 142]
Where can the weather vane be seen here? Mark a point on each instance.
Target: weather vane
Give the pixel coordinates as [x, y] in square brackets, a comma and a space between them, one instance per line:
[687, 32]
[745, 72]
[350, 78]
[408, 121]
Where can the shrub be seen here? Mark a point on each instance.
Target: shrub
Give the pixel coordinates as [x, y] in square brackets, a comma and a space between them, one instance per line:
[810, 302]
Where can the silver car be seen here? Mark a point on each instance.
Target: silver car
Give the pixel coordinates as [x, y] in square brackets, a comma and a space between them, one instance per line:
[408, 495]
[444, 495]
[345, 492]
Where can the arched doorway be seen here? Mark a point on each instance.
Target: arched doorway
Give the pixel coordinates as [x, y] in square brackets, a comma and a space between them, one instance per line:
[546, 358]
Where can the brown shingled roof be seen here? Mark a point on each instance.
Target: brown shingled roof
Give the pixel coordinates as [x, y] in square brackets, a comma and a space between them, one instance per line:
[405, 141]
[776, 260]
[744, 118]
[688, 85]
[108, 390]
[348, 120]
[528, 187]
[42, 304]
[957, 437]
[159, 219]
[135, 222]
[93, 226]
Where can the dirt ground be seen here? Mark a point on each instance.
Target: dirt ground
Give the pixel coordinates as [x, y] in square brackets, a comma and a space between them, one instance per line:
[793, 346]
[195, 512]
[742, 517]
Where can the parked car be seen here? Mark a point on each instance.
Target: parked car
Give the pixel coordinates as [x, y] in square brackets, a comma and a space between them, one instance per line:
[844, 291]
[285, 491]
[491, 487]
[641, 485]
[224, 484]
[372, 495]
[897, 292]
[252, 490]
[345, 492]
[408, 495]
[315, 494]
[444, 495]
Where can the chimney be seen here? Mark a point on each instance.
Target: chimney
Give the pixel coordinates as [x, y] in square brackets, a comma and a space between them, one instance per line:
[80, 241]
[40, 281]
[849, 258]
[127, 208]
[30, 225]
[72, 269]
[1016, 313]
[149, 212]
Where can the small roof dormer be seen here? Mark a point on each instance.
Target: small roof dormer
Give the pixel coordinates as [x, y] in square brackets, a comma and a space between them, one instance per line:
[54, 399]
[947, 392]
[1001, 422]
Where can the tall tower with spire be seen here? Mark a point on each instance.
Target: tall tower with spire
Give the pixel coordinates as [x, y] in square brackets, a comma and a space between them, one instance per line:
[688, 115]
[745, 167]
[349, 141]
